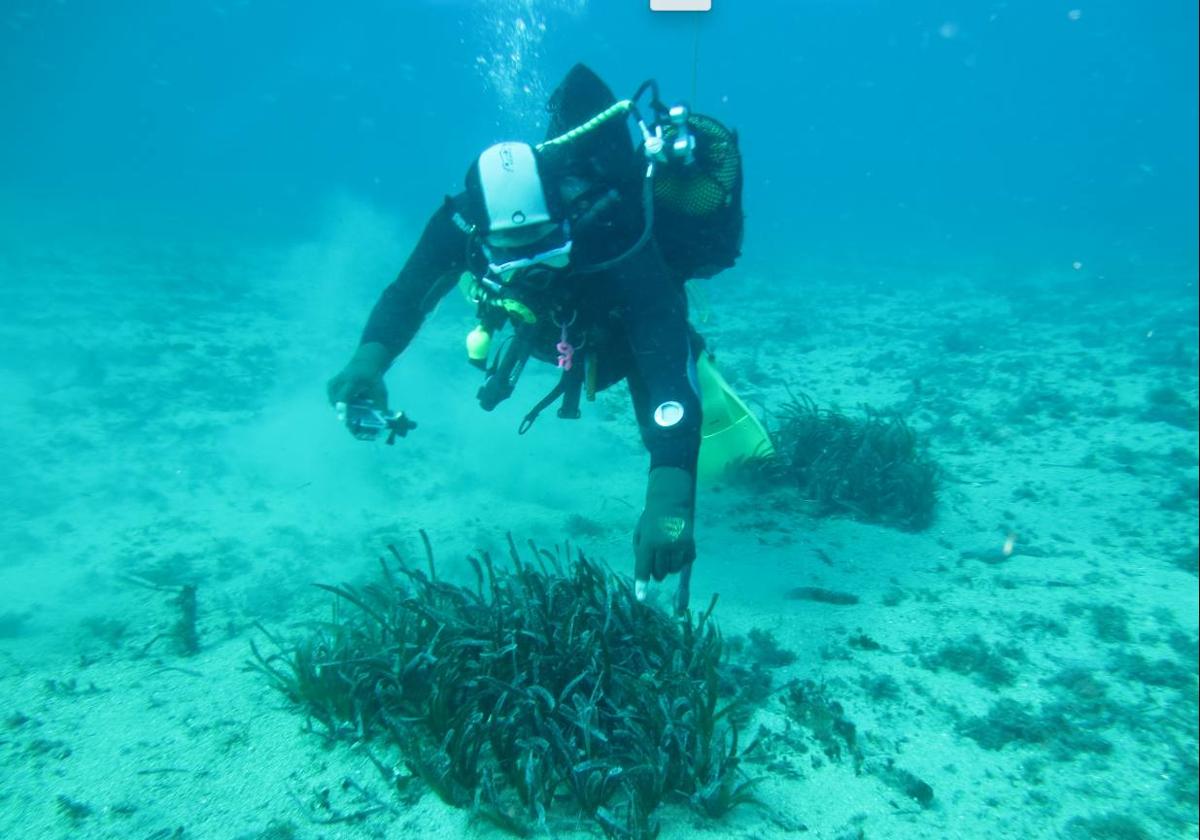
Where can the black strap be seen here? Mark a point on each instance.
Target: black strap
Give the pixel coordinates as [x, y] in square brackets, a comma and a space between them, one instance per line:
[569, 386]
[502, 378]
[572, 382]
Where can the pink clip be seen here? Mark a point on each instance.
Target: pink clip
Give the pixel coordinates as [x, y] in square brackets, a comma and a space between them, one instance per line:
[566, 350]
[566, 353]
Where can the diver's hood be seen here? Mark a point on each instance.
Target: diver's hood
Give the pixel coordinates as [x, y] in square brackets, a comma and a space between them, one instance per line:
[507, 197]
[518, 197]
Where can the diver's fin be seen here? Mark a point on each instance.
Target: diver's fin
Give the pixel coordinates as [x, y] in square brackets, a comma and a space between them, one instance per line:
[730, 432]
[579, 97]
[606, 152]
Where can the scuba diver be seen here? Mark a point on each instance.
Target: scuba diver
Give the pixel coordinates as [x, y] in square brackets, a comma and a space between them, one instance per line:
[581, 246]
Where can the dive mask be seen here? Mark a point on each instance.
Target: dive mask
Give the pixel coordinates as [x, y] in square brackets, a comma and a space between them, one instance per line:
[552, 252]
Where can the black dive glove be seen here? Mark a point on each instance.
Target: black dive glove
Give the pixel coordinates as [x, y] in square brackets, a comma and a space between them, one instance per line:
[361, 380]
[663, 542]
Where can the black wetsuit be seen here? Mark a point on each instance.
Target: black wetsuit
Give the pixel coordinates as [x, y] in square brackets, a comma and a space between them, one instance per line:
[633, 316]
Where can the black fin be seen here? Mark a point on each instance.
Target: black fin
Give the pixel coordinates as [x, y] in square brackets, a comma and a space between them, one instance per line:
[580, 96]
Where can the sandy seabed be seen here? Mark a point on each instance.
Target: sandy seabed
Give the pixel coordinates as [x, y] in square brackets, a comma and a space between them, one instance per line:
[1032, 656]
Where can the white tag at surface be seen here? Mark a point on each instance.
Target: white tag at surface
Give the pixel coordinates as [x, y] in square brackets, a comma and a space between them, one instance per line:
[680, 5]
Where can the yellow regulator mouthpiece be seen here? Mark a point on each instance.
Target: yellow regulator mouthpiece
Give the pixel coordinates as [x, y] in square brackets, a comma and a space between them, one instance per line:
[479, 341]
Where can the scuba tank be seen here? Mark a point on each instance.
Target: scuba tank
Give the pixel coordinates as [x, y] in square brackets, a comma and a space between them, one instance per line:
[698, 206]
[698, 219]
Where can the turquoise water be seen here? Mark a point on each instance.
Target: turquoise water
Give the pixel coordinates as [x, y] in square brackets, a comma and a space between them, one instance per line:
[982, 216]
[930, 126]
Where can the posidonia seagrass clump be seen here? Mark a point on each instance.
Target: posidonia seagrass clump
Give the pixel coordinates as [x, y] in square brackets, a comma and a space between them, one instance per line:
[873, 468]
[544, 693]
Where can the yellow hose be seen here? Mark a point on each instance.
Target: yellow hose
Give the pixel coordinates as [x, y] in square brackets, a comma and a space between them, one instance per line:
[616, 109]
